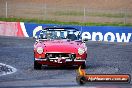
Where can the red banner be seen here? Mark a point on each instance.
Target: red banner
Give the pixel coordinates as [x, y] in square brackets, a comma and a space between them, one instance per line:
[11, 29]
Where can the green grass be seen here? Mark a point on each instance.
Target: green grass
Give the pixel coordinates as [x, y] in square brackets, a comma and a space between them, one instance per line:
[63, 23]
[92, 14]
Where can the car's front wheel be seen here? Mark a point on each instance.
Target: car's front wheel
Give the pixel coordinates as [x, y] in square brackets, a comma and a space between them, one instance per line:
[80, 80]
[83, 66]
[37, 66]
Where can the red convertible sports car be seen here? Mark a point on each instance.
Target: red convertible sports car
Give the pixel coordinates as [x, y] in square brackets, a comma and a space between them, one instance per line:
[59, 46]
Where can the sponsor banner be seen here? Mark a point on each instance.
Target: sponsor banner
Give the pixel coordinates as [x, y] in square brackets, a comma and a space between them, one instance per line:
[92, 33]
[107, 33]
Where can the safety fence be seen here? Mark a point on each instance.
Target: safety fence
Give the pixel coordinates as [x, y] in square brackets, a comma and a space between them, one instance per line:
[43, 11]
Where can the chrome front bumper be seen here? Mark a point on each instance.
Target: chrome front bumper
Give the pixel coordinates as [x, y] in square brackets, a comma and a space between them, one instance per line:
[53, 60]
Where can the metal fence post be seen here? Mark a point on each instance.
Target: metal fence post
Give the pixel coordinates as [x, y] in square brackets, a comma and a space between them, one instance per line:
[125, 16]
[45, 11]
[84, 14]
[6, 9]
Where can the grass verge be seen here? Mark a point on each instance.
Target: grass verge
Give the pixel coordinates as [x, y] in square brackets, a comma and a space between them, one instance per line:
[63, 23]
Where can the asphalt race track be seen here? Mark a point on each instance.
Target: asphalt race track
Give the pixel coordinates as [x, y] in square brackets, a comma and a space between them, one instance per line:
[106, 58]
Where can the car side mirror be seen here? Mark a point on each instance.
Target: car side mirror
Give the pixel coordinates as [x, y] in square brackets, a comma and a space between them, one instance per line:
[35, 37]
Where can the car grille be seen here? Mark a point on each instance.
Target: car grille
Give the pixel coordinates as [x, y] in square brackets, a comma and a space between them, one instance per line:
[66, 55]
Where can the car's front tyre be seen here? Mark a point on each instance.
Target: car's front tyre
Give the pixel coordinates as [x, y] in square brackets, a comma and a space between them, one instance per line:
[83, 66]
[80, 80]
[37, 66]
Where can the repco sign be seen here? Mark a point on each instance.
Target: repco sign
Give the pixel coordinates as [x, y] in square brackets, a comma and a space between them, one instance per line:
[108, 36]
[93, 33]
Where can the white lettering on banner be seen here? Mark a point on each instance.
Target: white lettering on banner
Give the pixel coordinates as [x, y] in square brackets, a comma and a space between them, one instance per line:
[111, 35]
[99, 34]
[123, 37]
[120, 38]
[36, 30]
[86, 35]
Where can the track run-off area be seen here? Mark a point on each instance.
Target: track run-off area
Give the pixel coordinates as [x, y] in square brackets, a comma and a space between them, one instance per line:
[103, 58]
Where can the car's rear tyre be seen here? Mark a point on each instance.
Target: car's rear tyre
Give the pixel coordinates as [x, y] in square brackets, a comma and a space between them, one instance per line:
[37, 66]
[83, 66]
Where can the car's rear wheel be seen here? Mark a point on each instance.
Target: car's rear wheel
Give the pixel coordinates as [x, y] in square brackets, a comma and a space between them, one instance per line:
[37, 66]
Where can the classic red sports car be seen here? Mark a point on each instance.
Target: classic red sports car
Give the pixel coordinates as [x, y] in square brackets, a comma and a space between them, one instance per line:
[59, 46]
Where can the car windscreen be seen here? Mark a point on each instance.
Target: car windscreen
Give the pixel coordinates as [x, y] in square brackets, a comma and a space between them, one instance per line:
[59, 34]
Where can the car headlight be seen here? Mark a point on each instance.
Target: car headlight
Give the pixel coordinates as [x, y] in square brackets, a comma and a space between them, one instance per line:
[40, 50]
[81, 51]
